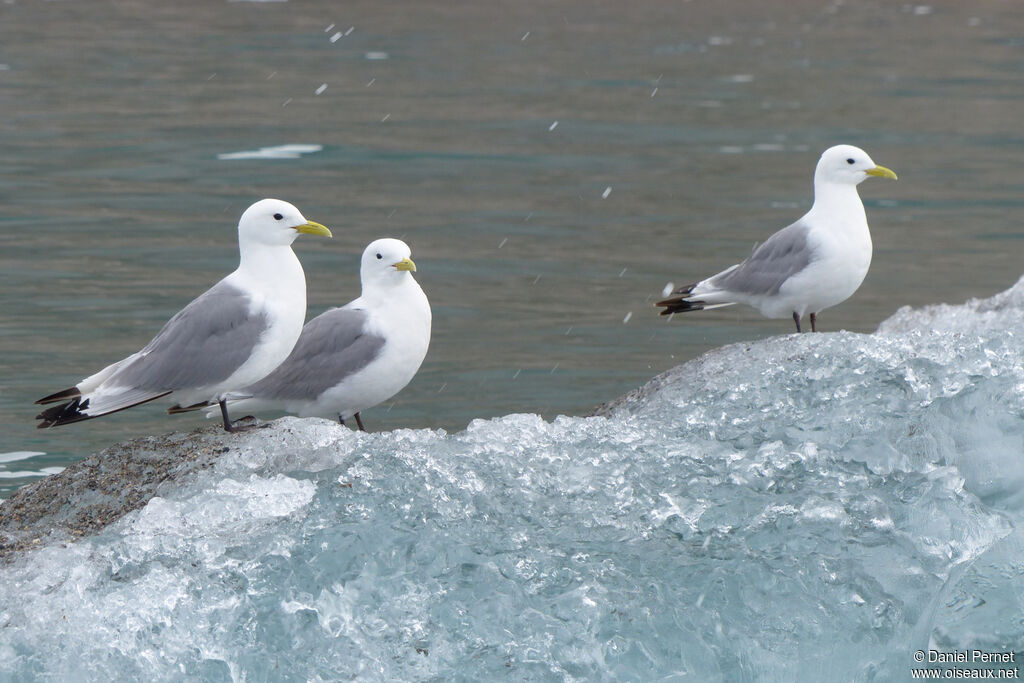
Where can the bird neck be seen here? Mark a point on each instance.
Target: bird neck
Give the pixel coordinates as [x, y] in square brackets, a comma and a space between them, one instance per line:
[391, 291]
[837, 202]
[273, 266]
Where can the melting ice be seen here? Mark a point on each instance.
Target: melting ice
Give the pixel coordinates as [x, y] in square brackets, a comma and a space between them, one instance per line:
[809, 507]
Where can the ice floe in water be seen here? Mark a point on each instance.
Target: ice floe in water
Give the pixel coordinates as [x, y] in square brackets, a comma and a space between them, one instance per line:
[15, 456]
[19, 457]
[275, 152]
[809, 507]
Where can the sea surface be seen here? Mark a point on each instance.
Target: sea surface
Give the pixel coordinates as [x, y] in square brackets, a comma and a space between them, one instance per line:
[552, 164]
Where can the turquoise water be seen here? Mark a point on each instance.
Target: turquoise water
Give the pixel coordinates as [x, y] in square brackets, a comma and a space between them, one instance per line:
[438, 125]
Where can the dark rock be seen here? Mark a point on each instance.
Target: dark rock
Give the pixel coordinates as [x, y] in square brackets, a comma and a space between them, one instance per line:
[97, 491]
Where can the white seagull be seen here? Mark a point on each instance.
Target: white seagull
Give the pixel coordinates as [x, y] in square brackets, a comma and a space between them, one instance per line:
[229, 337]
[352, 358]
[809, 266]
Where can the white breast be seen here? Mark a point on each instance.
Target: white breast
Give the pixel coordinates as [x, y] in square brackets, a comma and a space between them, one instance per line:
[404, 321]
[277, 287]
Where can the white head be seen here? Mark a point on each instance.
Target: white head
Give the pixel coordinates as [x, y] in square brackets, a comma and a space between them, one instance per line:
[272, 222]
[847, 165]
[386, 262]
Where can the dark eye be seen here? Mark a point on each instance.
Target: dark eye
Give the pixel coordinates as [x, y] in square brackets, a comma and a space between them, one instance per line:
[850, 161]
[379, 256]
[278, 216]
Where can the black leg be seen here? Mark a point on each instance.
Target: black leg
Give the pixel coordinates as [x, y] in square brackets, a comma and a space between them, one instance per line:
[228, 427]
[341, 420]
[814, 322]
[359, 422]
[796, 319]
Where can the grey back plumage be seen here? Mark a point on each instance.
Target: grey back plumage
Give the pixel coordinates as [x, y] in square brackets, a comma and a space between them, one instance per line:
[332, 346]
[203, 344]
[782, 255]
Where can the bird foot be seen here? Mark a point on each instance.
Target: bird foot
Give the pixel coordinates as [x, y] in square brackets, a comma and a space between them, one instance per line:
[236, 427]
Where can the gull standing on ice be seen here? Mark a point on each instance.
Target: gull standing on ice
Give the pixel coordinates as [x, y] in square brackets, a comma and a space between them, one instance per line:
[809, 266]
[230, 336]
[352, 358]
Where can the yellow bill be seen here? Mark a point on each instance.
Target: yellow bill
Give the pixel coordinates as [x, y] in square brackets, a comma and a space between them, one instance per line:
[312, 228]
[406, 264]
[881, 172]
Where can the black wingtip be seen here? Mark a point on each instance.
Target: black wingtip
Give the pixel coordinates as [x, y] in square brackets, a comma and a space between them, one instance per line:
[71, 412]
[177, 408]
[65, 413]
[679, 303]
[680, 306]
[66, 395]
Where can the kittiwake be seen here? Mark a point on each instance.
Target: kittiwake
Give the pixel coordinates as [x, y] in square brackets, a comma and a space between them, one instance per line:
[354, 357]
[229, 337]
[813, 264]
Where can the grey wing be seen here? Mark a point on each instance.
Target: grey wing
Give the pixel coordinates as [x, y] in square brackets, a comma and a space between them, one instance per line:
[332, 346]
[203, 344]
[782, 255]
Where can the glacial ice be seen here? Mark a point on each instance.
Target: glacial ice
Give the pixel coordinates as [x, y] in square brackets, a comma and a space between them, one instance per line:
[806, 507]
